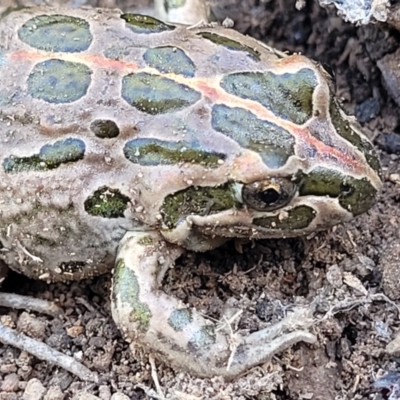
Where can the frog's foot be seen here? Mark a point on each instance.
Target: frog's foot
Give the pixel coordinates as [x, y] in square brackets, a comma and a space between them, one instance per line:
[178, 334]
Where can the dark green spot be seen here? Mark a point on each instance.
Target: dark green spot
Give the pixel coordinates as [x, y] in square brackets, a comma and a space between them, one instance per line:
[297, 218]
[159, 152]
[145, 24]
[104, 128]
[58, 81]
[355, 195]
[50, 156]
[287, 95]
[179, 319]
[147, 241]
[273, 143]
[107, 203]
[231, 44]
[344, 129]
[154, 94]
[170, 60]
[202, 338]
[197, 201]
[56, 33]
[126, 285]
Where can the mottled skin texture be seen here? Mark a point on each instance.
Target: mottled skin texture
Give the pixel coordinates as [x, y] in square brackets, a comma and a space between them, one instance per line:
[65, 192]
[47, 231]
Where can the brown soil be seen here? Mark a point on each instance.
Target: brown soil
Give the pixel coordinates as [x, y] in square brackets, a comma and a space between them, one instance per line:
[344, 270]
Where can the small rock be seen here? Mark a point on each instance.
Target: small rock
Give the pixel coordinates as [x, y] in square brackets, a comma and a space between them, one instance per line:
[97, 341]
[85, 396]
[58, 340]
[360, 12]
[34, 390]
[366, 265]
[395, 178]
[334, 276]
[267, 310]
[8, 368]
[75, 331]
[367, 110]
[24, 359]
[25, 372]
[62, 379]
[389, 67]
[7, 320]
[104, 392]
[393, 347]
[382, 329]
[119, 396]
[102, 361]
[355, 283]
[390, 263]
[389, 142]
[345, 347]
[394, 16]
[78, 355]
[31, 326]
[9, 396]
[10, 383]
[54, 393]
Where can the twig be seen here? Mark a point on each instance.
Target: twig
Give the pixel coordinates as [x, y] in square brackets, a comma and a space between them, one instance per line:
[155, 377]
[46, 353]
[12, 300]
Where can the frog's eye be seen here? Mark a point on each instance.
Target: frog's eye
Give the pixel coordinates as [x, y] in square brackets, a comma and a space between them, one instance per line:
[268, 195]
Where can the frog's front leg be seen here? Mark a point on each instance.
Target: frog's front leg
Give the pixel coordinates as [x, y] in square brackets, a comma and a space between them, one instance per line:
[178, 334]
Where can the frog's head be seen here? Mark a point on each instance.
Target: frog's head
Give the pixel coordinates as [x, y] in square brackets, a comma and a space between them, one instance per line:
[201, 218]
[302, 165]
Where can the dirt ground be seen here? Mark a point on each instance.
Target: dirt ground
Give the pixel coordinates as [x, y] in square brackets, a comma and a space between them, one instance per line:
[351, 274]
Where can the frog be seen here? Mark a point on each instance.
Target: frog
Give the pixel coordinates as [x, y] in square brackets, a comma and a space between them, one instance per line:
[127, 140]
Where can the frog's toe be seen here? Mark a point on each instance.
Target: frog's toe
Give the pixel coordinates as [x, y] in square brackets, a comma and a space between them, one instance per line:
[178, 334]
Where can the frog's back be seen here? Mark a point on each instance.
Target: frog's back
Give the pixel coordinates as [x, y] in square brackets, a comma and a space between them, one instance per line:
[77, 125]
[105, 115]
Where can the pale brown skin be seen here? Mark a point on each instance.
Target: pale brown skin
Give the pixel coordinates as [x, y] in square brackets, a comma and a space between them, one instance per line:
[47, 232]
[45, 210]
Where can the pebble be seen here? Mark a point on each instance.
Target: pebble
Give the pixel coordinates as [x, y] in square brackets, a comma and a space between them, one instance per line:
[31, 326]
[10, 383]
[34, 390]
[86, 396]
[390, 264]
[393, 347]
[119, 396]
[389, 67]
[54, 393]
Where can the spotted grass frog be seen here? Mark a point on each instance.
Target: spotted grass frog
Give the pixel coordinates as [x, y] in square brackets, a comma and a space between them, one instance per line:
[125, 140]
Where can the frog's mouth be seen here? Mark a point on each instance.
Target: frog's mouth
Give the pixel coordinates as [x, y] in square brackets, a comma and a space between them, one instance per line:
[302, 217]
[271, 208]
[261, 196]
